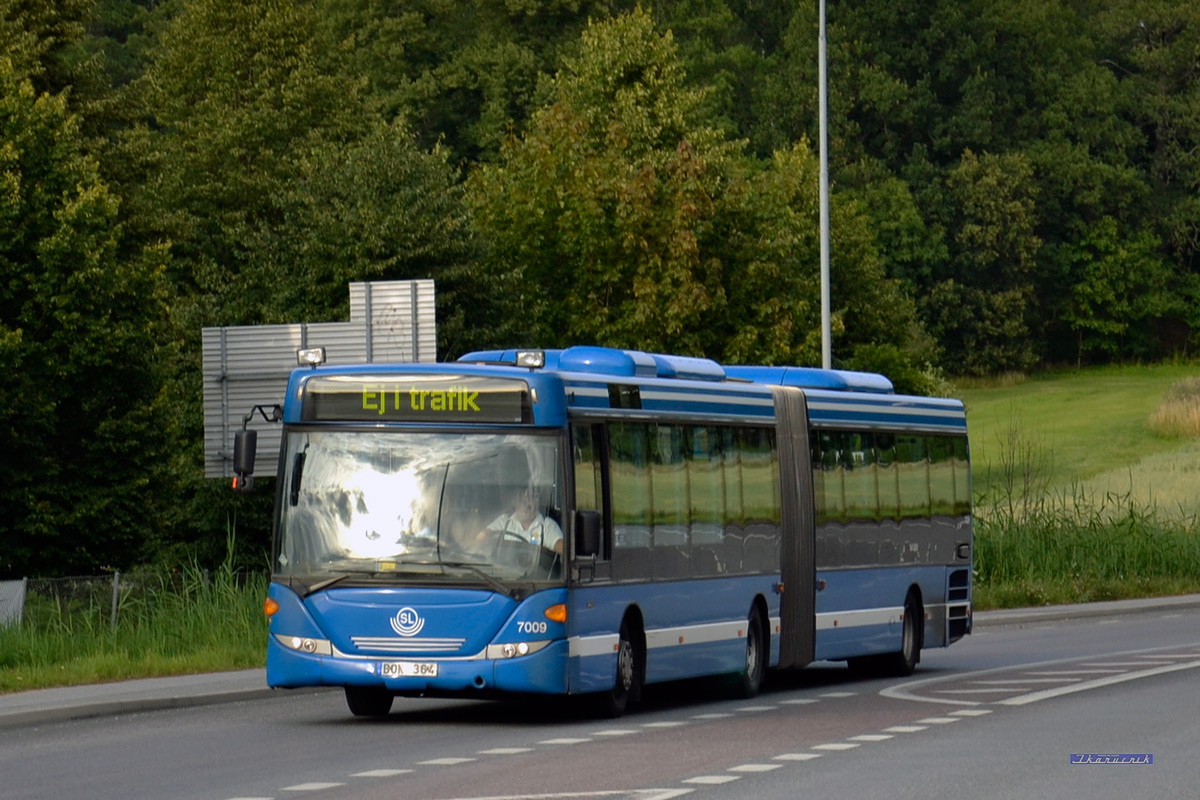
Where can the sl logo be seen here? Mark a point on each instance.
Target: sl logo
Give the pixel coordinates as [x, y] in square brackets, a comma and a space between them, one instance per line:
[407, 622]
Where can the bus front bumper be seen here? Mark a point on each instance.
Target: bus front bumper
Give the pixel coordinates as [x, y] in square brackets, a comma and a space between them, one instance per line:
[543, 672]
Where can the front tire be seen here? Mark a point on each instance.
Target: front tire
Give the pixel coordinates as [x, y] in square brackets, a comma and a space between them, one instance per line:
[369, 701]
[628, 684]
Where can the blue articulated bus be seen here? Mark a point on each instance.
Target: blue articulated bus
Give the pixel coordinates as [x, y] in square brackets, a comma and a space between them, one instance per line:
[589, 521]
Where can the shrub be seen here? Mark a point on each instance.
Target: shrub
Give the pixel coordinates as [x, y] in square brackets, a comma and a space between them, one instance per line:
[1178, 414]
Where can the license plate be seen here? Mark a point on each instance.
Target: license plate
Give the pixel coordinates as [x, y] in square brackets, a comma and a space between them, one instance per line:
[408, 669]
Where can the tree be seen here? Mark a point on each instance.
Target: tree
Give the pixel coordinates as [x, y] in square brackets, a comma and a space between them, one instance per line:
[1121, 285]
[1151, 47]
[462, 74]
[630, 223]
[81, 356]
[980, 305]
[257, 159]
[38, 35]
[611, 189]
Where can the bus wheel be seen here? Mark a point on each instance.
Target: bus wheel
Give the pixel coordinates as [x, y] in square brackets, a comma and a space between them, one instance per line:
[901, 664]
[755, 669]
[368, 701]
[628, 680]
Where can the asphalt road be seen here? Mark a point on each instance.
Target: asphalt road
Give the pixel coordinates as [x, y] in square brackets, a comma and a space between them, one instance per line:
[998, 715]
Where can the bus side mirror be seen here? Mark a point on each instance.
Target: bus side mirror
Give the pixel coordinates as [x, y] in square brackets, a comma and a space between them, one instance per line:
[245, 447]
[587, 533]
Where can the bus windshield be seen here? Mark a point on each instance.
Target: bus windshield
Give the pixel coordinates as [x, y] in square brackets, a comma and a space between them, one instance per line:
[420, 508]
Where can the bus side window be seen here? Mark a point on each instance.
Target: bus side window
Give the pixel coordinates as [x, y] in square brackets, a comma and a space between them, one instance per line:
[888, 476]
[828, 480]
[633, 532]
[760, 492]
[858, 472]
[912, 475]
[962, 477]
[706, 482]
[941, 476]
[669, 490]
[589, 477]
[735, 516]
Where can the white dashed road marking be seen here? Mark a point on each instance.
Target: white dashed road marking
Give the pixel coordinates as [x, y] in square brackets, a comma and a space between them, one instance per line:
[1074, 672]
[1013, 681]
[712, 780]
[381, 773]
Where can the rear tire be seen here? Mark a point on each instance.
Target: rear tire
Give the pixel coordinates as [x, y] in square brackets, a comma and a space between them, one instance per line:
[369, 701]
[901, 664]
[755, 670]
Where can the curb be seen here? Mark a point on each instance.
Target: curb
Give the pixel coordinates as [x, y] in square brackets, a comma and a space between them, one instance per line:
[1024, 616]
[102, 708]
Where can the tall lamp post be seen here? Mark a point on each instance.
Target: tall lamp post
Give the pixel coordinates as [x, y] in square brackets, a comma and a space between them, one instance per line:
[823, 102]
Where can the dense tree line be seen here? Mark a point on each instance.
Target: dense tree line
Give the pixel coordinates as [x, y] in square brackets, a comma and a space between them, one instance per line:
[1014, 184]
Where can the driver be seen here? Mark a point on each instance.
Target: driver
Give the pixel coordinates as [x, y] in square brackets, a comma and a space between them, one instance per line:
[527, 522]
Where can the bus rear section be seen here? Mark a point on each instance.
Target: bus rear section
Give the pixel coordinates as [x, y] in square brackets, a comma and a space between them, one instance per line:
[894, 538]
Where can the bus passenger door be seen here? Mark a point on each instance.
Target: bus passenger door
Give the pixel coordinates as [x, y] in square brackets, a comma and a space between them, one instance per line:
[797, 607]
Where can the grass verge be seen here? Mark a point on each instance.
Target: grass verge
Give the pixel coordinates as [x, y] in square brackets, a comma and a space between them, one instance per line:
[172, 625]
[1072, 547]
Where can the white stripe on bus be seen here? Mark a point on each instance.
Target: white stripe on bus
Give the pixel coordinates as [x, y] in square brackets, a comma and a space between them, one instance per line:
[830, 620]
[657, 638]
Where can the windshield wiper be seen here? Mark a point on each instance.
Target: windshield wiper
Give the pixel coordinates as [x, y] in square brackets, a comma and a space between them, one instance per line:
[346, 573]
[490, 580]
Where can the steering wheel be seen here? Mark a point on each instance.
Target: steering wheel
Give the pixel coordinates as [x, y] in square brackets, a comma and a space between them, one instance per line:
[513, 542]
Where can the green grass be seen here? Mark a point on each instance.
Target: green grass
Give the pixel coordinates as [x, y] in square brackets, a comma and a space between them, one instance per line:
[1079, 495]
[167, 625]
[1088, 425]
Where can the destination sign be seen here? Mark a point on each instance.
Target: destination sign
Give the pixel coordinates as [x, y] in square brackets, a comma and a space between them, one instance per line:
[416, 398]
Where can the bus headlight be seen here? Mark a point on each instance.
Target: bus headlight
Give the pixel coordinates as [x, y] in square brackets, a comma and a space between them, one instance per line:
[514, 649]
[304, 644]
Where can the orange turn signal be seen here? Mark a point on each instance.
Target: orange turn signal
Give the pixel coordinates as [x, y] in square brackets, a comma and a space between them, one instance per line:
[270, 607]
[556, 612]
